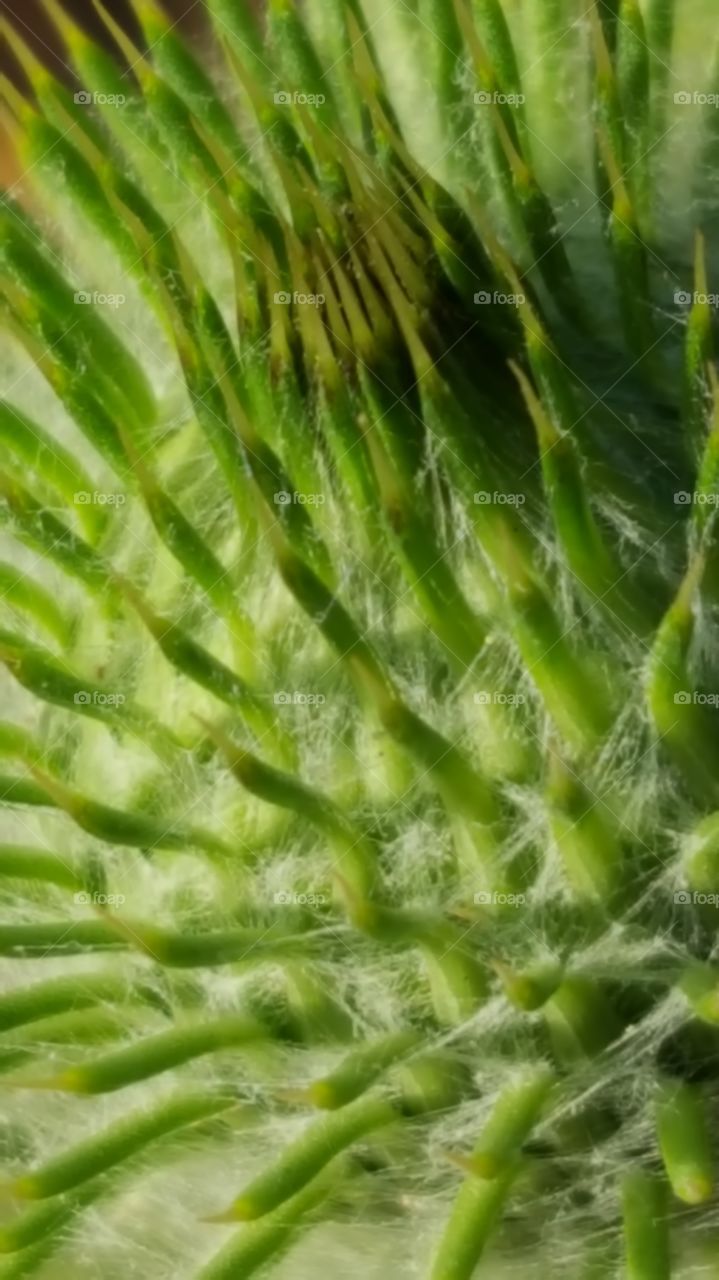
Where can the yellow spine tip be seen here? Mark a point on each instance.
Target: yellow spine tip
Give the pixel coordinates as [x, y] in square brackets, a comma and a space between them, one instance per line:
[72, 1081]
[26, 1189]
[322, 1095]
[693, 1188]
[473, 1166]
[240, 1211]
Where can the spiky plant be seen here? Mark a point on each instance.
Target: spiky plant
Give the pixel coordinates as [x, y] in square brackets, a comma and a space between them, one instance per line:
[360, 457]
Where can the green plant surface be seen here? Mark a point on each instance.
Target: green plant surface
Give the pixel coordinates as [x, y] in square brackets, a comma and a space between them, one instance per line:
[359, 791]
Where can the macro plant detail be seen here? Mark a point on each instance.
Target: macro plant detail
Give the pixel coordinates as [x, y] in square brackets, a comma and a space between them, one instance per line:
[359, 854]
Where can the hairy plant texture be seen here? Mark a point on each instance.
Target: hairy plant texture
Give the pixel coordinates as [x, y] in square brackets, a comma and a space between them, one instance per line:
[359, 586]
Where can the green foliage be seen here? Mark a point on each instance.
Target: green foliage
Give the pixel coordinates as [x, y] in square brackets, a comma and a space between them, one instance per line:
[359, 589]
